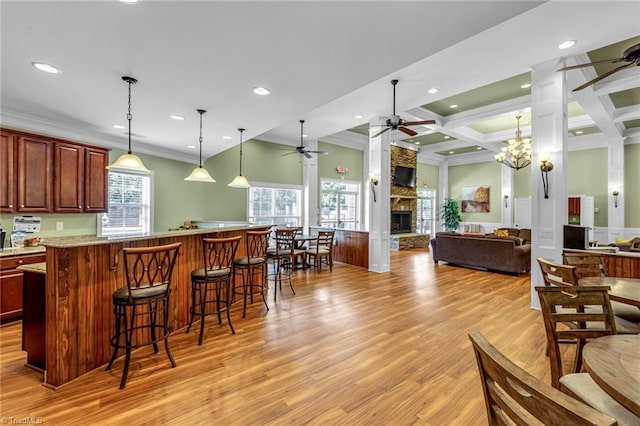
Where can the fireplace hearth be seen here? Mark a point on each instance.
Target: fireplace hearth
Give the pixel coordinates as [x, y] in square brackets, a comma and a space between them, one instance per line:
[400, 222]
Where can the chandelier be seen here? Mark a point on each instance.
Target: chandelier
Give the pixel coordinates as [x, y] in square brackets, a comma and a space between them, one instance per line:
[517, 152]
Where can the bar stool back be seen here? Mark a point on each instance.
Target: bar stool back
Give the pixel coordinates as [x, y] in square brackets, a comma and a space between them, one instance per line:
[211, 284]
[136, 305]
[252, 268]
[282, 255]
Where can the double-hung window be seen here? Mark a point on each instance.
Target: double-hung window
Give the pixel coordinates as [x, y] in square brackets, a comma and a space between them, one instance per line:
[340, 204]
[277, 204]
[130, 209]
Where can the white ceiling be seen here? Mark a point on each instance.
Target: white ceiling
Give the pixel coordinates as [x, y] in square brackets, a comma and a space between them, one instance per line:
[324, 61]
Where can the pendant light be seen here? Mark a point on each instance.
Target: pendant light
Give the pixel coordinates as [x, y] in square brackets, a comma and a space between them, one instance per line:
[129, 162]
[199, 174]
[240, 181]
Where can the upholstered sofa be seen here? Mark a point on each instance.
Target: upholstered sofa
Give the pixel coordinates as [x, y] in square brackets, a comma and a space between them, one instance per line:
[508, 253]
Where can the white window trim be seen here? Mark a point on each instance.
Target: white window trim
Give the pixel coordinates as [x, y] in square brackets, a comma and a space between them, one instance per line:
[358, 183]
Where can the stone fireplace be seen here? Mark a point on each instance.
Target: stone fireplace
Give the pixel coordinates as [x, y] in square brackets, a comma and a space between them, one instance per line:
[401, 221]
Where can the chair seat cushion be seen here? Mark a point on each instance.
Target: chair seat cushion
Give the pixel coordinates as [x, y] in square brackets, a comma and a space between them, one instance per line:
[198, 274]
[276, 252]
[245, 261]
[628, 312]
[122, 294]
[321, 250]
[583, 386]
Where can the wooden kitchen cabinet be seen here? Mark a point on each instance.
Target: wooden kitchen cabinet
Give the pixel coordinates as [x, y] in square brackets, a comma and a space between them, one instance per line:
[35, 159]
[11, 284]
[96, 180]
[8, 155]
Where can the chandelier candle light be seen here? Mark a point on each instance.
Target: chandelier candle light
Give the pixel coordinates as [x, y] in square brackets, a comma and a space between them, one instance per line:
[240, 181]
[200, 174]
[129, 162]
[517, 153]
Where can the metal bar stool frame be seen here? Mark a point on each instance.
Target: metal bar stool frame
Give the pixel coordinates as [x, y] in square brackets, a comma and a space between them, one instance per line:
[147, 273]
[252, 265]
[211, 284]
[282, 255]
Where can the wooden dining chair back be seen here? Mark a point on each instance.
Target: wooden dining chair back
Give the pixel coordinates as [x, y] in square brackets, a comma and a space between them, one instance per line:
[513, 396]
[143, 298]
[589, 311]
[322, 250]
[587, 264]
[557, 274]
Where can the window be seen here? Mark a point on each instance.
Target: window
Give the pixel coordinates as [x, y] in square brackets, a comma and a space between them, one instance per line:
[280, 205]
[130, 209]
[340, 204]
[426, 213]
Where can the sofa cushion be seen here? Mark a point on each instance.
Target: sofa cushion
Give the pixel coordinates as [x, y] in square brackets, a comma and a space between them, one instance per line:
[516, 240]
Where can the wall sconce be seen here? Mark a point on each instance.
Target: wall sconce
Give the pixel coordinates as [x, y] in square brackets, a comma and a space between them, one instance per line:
[506, 201]
[545, 167]
[615, 194]
[373, 182]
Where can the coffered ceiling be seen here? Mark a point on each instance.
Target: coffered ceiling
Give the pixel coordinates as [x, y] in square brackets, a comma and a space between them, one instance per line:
[328, 62]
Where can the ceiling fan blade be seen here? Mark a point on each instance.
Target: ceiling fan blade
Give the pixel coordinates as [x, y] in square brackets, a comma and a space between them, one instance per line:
[306, 154]
[289, 153]
[407, 131]
[418, 123]
[604, 61]
[318, 152]
[600, 77]
[380, 132]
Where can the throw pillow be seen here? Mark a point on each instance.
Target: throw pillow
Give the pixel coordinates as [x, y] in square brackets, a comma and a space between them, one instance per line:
[623, 240]
[501, 232]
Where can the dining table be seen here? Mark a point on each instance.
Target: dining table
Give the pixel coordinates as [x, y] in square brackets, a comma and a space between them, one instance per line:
[624, 290]
[613, 362]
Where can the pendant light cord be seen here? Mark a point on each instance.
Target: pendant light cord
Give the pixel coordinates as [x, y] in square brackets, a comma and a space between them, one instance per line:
[241, 130]
[129, 117]
[201, 112]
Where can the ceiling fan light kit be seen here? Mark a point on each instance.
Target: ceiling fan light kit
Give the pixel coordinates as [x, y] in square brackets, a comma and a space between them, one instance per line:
[395, 122]
[200, 174]
[129, 162]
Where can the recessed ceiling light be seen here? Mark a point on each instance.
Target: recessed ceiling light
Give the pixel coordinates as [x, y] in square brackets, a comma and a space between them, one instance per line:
[417, 143]
[191, 146]
[525, 86]
[118, 126]
[578, 132]
[46, 67]
[479, 148]
[262, 91]
[453, 106]
[177, 117]
[226, 137]
[433, 90]
[128, 1]
[304, 135]
[447, 136]
[358, 116]
[567, 44]
[451, 152]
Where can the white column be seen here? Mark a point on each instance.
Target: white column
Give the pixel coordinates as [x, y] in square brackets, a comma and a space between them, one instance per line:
[310, 212]
[548, 136]
[443, 192]
[616, 183]
[507, 196]
[367, 195]
[379, 209]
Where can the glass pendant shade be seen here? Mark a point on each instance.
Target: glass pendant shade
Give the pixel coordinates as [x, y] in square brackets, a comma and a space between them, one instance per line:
[129, 162]
[240, 181]
[200, 174]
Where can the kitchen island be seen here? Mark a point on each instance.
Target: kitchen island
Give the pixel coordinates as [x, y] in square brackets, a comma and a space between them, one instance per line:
[81, 275]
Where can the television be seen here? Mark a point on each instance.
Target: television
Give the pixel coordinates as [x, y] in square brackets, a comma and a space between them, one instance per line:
[405, 176]
[576, 237]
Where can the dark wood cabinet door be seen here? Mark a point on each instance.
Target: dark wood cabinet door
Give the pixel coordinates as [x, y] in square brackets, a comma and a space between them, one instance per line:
[34, 174]
[96, 180]
[11, 280]
[7, 172]
[68, 190]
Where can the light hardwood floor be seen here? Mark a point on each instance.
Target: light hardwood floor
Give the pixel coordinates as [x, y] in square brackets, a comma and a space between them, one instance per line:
[351, 347]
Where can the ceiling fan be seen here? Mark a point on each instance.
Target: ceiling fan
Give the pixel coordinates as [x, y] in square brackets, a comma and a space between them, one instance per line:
[394, 122]
[631, 55]
[302, 149]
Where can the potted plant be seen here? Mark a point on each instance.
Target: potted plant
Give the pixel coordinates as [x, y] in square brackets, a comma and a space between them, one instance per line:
[450, 214]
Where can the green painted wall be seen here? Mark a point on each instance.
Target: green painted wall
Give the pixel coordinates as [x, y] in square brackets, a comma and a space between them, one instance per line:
[479, 174]
[339, 156]
[430, 173]
[585, 175]
[522, 183]
[632, 186]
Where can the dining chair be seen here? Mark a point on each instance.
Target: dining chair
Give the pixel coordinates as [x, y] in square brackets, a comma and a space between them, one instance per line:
[322, 250]
[593, 265]
[282, 256]
[136, 305]
[588, 324]
[513, 396]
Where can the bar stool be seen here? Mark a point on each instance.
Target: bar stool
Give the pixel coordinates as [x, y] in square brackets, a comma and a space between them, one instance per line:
[252, 268]
[211, 284]
[282, 256]
[136, 306]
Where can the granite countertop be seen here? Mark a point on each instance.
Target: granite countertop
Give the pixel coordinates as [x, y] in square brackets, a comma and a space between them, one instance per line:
[21, 251]
[38, 268]
[92, 240]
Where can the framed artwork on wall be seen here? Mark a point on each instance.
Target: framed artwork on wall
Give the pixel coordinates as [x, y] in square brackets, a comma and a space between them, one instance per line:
[476, 199]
